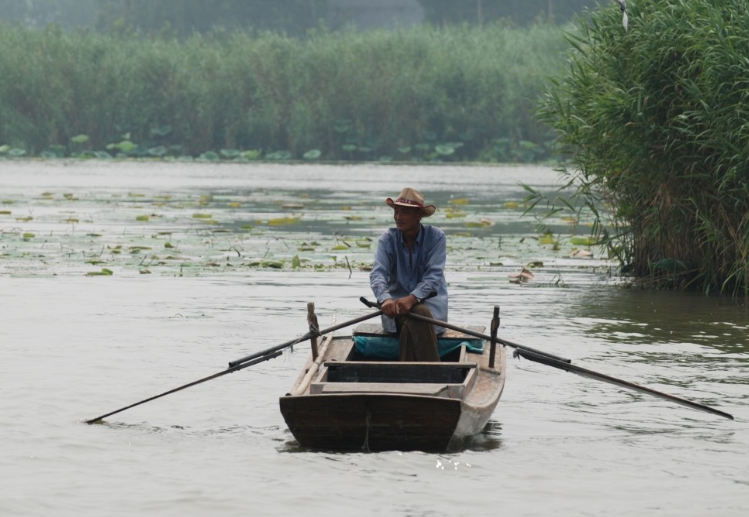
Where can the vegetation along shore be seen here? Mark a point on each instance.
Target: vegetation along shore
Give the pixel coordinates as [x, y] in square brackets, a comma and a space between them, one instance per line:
[425, 93]
[649, 116]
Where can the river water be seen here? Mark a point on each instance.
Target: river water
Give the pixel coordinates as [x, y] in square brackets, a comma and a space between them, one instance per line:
[119, 281]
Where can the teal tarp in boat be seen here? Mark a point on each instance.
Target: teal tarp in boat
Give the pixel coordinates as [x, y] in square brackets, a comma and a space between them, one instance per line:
[387, 347]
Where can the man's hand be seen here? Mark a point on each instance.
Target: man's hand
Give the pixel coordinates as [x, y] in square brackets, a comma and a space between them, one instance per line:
[404, 305]
[393, 308]
[389, 308]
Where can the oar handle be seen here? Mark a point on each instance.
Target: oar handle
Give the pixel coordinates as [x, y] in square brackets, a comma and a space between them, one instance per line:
[470, 332]
[377, 305]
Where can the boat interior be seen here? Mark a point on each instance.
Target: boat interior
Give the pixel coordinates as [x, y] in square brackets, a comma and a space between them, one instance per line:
[345, 369]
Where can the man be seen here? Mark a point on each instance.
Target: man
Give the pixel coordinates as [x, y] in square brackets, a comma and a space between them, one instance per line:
[409, 266]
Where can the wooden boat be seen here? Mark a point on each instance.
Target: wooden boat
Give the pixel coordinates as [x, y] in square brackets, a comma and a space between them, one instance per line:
[344, 400]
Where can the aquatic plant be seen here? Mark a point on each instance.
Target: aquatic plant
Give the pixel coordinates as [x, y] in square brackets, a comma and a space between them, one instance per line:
[418, 94]
[653, 120]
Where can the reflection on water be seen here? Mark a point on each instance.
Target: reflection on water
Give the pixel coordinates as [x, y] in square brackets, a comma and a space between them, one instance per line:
[667, 315]
[489, 439]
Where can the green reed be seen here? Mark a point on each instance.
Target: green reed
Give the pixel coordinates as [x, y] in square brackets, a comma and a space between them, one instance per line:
[655, 122]
[410, 94]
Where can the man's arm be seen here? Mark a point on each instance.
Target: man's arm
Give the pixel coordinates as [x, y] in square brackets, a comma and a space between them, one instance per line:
[380, 275]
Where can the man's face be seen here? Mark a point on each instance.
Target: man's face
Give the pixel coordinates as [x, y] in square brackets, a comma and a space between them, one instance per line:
[407, 218]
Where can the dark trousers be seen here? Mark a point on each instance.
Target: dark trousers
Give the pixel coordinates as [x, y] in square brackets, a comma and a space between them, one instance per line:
[418, 341]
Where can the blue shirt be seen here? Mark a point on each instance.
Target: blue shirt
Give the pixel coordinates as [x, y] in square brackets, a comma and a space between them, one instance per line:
[398, 271]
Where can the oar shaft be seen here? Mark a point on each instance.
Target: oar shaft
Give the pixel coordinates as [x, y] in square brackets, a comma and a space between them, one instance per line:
[305, 337]
[484, 336]
[204, 379]
[531, 356]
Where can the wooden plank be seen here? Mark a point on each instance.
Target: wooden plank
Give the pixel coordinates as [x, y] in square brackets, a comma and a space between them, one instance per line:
[452, 391]
[398, 372]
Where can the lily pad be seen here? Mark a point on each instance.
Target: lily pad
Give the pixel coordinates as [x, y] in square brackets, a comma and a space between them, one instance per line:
[125, 146]
[546, 239]
[103, 272]
[582, 241]
[273, 264]
[230, 153]
[158, 151]
[210, 156]
[283, 221]
[280, 155]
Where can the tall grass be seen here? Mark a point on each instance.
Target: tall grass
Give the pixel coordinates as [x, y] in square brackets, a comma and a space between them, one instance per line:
[655, 120]
[453, 93]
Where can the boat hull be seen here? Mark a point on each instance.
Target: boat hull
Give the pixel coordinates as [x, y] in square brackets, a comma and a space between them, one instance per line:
[342, 401]
[371, 422]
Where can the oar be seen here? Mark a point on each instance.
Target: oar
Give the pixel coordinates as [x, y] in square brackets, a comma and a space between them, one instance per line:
[565, 364]
[204, 379]
[245, 362]
[471, 332]
[618, 382]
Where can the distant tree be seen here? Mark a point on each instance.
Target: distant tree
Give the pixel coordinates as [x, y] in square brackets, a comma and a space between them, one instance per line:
[188, 16]
[38, 13]
[519, 11]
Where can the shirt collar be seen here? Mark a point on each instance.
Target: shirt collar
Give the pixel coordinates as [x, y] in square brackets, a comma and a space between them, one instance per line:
[419, 236]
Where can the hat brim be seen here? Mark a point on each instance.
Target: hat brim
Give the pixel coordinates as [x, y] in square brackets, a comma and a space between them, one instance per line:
[427, 210]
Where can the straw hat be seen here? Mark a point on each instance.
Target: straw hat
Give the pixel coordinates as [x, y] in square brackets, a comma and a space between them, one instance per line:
[413, 198]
